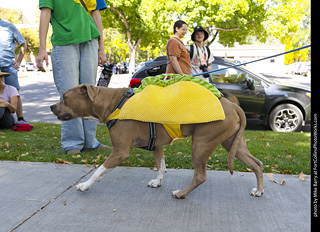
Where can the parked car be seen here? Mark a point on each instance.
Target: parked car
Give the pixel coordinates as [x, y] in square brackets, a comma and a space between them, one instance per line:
[300, 68]
[30, 66]
[304, 68]
[282, 107]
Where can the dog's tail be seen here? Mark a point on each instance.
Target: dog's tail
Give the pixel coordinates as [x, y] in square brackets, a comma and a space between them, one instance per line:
[234, 147]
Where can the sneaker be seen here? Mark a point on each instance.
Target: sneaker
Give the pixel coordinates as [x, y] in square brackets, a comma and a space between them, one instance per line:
[101, 147]
[22, 122]
[73, 152]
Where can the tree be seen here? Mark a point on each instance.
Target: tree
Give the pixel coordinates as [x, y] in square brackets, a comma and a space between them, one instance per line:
[31, 35]
[230, 21]
[124, 16]
[289, 21]
[132, 18]
[115, 45]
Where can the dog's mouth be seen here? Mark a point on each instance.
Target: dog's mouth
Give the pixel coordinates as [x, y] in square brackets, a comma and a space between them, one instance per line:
[65, 117]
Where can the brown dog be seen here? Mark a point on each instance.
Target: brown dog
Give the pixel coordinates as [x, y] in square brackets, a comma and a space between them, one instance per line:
[91, 102]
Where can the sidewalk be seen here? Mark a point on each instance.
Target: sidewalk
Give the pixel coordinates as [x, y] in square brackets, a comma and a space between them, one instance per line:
[42, 197]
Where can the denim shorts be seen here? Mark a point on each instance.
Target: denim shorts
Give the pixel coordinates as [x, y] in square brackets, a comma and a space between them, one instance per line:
[13, 78]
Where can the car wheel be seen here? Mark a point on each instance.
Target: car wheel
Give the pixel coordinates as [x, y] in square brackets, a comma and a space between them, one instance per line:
[286, 118]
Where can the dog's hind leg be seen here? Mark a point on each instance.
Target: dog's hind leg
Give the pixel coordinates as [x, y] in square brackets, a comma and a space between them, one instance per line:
[200, 155]
[256, 165]
[161, 166]
[116, 157]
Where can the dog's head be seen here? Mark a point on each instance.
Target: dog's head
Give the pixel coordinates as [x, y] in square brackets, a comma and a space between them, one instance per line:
[76, 103]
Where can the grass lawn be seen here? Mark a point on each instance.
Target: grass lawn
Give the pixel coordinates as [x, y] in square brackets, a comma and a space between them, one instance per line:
[287, 153]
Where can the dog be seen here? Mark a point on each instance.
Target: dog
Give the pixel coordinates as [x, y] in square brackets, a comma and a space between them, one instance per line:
[91, 102]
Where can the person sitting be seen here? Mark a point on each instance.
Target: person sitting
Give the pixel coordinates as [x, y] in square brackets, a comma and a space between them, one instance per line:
[8, 103]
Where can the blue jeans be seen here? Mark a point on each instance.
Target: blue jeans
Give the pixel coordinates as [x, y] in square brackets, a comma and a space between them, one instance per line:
[13, 78]
[73, 65]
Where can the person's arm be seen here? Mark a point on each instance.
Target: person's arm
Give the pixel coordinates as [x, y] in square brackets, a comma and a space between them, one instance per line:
[98, 21]
[23, 47]
[12, 107]
[45, 17]
[176, 65]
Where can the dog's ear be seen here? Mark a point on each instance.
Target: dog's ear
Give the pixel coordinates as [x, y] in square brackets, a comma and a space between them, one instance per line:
[91, 90]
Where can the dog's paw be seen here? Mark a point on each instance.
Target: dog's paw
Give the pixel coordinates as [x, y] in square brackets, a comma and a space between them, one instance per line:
[82, 187]
[254, 192]
[176, 194]
[154, 183]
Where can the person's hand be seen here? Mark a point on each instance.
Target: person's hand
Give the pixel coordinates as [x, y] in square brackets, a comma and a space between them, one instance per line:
[16, 65]
[3, 103]
[102, 58]
[43, 56]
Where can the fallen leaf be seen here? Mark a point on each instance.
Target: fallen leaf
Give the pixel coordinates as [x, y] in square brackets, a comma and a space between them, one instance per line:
[25, 154]
[64, 202]
[285, 172]
[270, 175]
[61, 161]
[302, 176]
[6, 144]
[283, 182]
[87, 165]
[114, 210]
[272, 180]
[262, 138]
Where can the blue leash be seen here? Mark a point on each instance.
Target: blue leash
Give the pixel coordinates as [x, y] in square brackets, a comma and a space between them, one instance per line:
[237, 65]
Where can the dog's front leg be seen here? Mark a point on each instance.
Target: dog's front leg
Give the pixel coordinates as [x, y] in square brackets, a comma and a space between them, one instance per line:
[117, 156]
[161, 166]
[97, 176]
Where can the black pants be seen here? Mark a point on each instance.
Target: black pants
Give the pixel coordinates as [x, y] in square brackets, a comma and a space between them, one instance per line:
[6, 119]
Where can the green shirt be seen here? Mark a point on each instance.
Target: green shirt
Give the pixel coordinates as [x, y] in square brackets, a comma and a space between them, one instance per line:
[71, 23]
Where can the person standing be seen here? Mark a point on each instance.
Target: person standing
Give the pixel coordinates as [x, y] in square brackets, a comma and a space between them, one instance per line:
[78, 48]
[200, 55]
[177, 54]
[9, 36]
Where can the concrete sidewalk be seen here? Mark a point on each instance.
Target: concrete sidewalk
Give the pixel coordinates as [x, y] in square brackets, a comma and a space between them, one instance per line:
[42, 197]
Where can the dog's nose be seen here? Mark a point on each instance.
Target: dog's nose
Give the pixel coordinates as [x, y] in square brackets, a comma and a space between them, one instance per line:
[52, 107]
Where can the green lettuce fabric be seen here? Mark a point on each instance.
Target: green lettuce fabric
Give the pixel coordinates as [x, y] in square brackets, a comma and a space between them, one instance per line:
[174, 78]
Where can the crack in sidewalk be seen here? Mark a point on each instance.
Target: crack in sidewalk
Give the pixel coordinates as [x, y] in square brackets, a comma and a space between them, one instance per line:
[52, 200]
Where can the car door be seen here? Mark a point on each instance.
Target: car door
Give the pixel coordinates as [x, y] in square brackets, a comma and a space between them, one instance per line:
[246, 87]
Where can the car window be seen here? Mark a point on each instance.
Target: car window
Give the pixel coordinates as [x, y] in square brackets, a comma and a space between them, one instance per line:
[231, 75]
[156, 70]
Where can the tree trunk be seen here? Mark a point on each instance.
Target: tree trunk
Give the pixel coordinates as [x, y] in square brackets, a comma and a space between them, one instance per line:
[132, 51]
[132, 62]
[131, 45]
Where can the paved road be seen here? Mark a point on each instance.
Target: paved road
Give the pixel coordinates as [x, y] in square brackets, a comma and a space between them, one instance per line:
[290, 78]
[39, 92]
